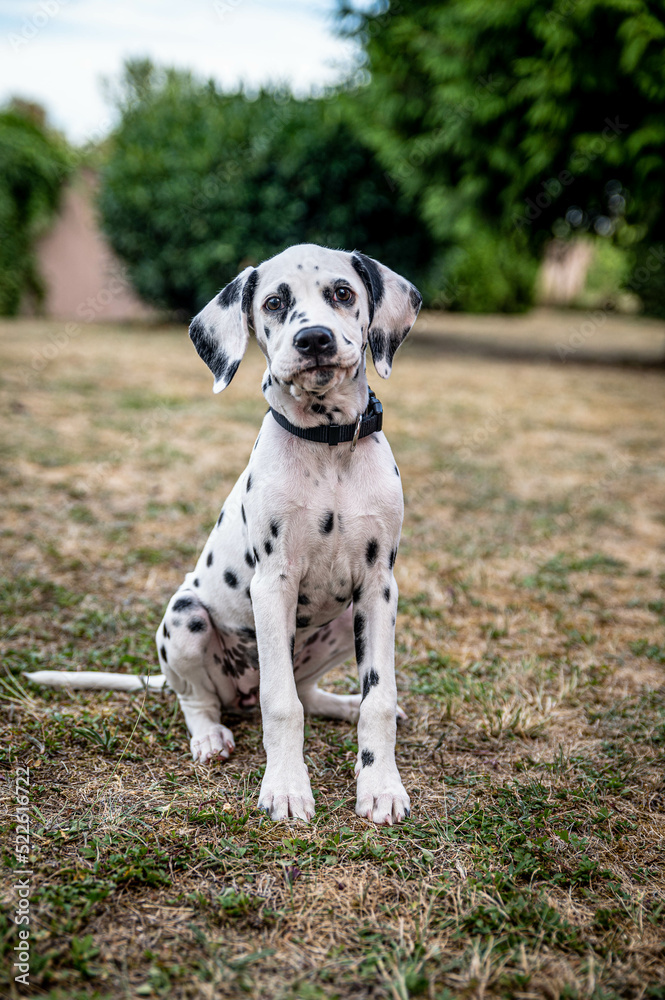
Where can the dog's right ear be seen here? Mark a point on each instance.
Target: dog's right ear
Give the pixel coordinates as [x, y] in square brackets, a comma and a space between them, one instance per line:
[220, 332]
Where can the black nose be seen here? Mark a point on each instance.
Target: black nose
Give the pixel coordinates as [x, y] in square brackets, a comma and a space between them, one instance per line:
[314, 341]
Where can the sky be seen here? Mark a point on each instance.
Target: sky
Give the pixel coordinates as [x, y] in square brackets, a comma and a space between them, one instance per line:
[57, 52]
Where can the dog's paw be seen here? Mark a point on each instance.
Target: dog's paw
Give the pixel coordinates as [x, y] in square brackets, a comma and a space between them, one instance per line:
[217, 741]
[285, 795]
[382, 799]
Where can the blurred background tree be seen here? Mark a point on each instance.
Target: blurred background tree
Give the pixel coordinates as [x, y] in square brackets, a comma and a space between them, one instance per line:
[200, 183]
[509, 121]
[34, 164]
[475, 136]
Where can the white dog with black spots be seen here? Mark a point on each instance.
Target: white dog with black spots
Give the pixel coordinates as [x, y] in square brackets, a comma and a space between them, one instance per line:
[297, 574]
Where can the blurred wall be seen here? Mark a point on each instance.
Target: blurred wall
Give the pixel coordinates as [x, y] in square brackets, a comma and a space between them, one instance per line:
[83, 277]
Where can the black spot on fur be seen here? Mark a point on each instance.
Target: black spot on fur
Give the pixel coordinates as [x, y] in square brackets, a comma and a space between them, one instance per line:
[249, 559]
[293, 647]
[243, 515]
[415, 298]
[370, 680]
[327, 523]
[367, 758]
[370, 274]
[359, 635]
[392, 557]
[248, 293]
[249, 482]
[386, 594]
[341, 600]
[220, 518]
[196, 625]
[216, 658]
[303, 599]
[357, 593]
[162, 652]
[209, 559]
[266, 330]
[230, 294]
[286, 295]
[274, 528]
[183, 603]
[167, 634]
[248, 594]
[372, 551]
[268, 547]
[302, 621]
[196, 582]
[396, 471]
[209, 351]
[378, 341]
[230, 578]
[256, 556]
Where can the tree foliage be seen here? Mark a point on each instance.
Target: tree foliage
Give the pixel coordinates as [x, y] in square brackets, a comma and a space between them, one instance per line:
[200, 183]
[34, 163]
[507, 120]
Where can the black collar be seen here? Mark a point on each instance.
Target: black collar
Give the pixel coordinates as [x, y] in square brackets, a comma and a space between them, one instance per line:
[331, 434]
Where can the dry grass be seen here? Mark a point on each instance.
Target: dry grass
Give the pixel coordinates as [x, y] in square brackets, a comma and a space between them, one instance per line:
[530, 655]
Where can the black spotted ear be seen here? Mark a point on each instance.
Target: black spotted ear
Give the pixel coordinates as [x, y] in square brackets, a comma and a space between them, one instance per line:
[393, 307]
[220, 332]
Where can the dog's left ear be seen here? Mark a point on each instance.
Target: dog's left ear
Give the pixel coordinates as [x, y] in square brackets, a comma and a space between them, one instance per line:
[393, 306]
[220, 332]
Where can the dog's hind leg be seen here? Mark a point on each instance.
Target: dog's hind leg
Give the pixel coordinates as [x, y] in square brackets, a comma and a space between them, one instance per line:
[329, 647]
[190, 655]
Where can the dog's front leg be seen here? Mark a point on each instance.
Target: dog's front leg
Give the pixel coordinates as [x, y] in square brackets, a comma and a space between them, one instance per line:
[381, 795]
[285, 789]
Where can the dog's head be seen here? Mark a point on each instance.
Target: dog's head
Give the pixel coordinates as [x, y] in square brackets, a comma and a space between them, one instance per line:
[313, 311]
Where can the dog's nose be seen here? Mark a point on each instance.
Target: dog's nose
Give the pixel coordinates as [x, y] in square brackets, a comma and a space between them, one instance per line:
[314, 341]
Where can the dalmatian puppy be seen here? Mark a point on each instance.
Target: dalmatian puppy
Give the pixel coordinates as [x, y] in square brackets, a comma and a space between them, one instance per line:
[297, 574]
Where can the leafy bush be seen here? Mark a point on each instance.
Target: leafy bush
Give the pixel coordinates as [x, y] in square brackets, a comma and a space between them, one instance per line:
[517, 115]
[33, 167]
[199, 184]
[647, 277]
[490, 272]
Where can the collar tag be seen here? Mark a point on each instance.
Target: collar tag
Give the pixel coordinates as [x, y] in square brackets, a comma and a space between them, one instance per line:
[356, 432]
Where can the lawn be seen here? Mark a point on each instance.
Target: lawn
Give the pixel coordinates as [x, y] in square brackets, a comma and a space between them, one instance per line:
[530, 662]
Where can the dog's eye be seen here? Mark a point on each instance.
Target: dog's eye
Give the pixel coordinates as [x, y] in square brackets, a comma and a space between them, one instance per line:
[273, 303]
[343, 294]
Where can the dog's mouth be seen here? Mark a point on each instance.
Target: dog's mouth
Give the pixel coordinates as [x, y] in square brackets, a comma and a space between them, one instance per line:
[320, 372]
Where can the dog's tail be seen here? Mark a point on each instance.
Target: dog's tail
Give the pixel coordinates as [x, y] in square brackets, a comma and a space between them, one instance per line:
[97, 680]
